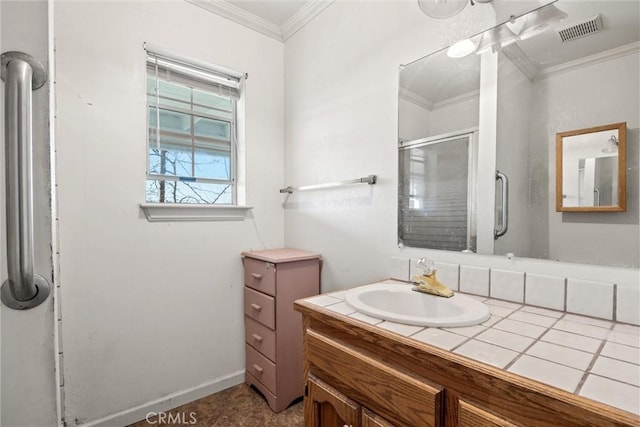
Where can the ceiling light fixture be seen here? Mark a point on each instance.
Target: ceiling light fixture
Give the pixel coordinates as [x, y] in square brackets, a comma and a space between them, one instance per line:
[461, 49]
[443, 9]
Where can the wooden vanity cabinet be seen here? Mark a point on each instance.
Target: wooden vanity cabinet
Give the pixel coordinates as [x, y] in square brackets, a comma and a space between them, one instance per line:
[273, 280]
[360, 375]
[326, 406]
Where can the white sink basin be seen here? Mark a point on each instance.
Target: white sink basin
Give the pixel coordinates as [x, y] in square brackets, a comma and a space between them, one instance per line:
[398, 303]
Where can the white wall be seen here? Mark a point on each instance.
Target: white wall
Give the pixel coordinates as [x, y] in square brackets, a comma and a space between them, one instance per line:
[27, 337]
[341, 107]
[416, 121]
[152, 312]
[455, 116]
[579, 99]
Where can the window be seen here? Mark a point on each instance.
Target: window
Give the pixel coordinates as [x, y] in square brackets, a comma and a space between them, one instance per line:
[192, 145]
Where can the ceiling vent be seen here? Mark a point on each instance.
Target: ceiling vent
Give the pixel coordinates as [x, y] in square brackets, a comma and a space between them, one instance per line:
[588, 26]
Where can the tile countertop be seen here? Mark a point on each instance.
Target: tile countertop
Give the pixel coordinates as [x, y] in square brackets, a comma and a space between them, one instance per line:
[594, 358]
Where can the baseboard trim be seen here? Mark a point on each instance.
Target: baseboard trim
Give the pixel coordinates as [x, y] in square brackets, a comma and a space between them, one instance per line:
[138, 413]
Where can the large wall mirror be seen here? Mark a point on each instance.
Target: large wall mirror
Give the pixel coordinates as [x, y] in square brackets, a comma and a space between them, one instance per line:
[591, 173]
[496, 102]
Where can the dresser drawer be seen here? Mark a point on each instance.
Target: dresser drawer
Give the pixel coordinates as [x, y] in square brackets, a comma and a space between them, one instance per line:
[260, 307]
[260, 275]
[261, 368]
[260, 337]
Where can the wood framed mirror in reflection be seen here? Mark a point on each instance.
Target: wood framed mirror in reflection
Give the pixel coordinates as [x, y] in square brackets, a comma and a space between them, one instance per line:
[591, 171]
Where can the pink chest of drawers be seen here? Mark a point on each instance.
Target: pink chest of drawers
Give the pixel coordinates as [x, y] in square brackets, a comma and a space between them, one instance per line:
[273, 280]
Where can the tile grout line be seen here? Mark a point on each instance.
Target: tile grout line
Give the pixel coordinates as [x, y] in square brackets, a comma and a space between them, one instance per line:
[615, 302]
[587, 371]
[535, 341]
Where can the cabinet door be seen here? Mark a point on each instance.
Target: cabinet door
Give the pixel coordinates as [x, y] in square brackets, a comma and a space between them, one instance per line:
[327, 407]
[472, 416]
[369, 419]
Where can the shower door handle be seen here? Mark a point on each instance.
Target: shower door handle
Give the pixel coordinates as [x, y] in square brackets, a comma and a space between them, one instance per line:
[504, 223]
[22, 73]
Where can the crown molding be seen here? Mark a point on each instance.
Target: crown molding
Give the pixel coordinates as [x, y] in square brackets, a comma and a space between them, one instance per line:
[281, 33]
[608, 55]
[240, 16]
[474, 94]
[415, 99]
[310, 10]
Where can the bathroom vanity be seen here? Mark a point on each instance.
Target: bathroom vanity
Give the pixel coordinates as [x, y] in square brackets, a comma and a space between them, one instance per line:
[360, 374]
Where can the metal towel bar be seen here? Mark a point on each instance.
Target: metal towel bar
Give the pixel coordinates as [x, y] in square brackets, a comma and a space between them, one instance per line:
[371, 179]
[21, 73]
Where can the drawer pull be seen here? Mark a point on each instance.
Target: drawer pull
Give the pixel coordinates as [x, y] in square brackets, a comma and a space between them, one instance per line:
[256, 276]
[257, 337]
[258, 369]
[256, 307]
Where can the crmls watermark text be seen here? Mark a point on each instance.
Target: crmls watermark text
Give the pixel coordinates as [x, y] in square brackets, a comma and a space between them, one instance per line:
[178, 418]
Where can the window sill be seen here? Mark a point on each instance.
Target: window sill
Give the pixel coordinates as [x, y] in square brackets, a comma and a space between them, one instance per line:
[157, 212]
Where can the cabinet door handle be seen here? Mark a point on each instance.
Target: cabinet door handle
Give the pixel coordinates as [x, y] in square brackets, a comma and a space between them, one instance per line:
[257, 337]
[256, 307]
[258, 369]
[256, 276]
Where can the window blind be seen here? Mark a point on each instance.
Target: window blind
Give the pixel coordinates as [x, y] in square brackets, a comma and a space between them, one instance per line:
[193, 74]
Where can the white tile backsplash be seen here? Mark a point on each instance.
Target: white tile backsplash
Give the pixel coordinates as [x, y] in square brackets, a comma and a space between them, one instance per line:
[590, 298]
[628, 304]
[540, 292]
[507, 285]
[474, 280]
[545, 291]
[399, 268]
[447, 274]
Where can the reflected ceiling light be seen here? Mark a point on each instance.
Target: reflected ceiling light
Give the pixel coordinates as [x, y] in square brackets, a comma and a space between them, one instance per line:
[442, 9]
[495, 39]
[612, 145]
[540, 20]
[461, 49]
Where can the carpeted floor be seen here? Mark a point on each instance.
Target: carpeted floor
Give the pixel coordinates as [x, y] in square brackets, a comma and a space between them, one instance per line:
[239, 406]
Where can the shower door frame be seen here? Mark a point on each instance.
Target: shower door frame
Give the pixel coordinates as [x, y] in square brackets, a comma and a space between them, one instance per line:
[472, 178]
